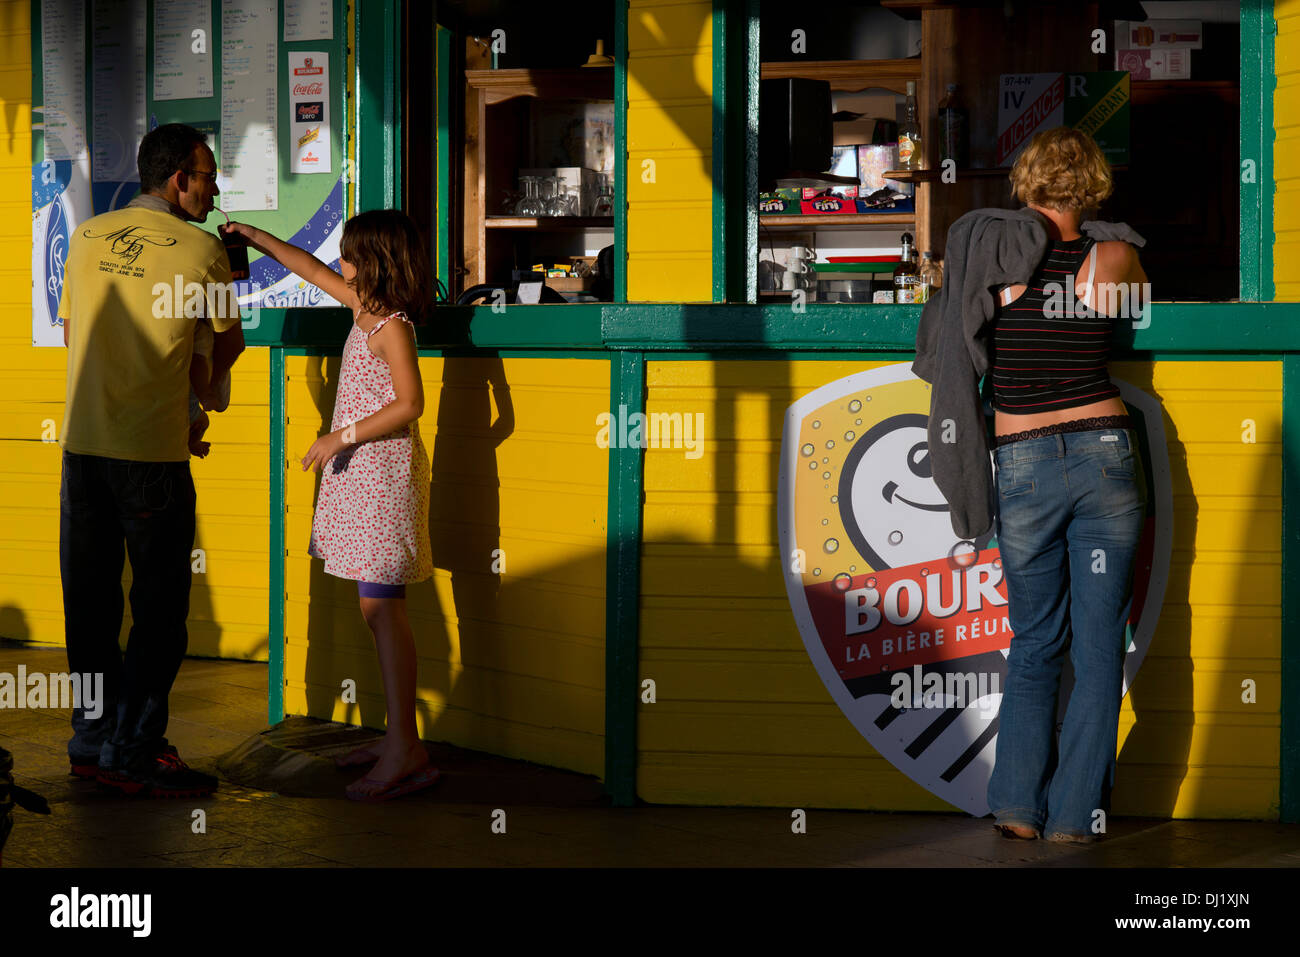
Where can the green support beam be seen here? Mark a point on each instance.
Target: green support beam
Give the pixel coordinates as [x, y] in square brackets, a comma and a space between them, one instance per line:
[443, 221]
[1257, 184]
[275, 585]
[620, 150]
[623, 582]
[378, 62]
[735, 150]
[1289, 769]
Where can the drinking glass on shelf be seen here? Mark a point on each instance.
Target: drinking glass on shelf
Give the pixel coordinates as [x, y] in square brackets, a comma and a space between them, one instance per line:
[605, 201]
[510, 201]
[531, 204]
[572, 200]
[552, 198]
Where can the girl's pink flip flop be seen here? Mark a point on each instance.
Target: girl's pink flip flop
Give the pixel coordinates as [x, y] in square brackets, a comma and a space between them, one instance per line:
[415, 781]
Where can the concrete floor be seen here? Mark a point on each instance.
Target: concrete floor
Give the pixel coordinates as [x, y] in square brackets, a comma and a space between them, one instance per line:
[288, 809]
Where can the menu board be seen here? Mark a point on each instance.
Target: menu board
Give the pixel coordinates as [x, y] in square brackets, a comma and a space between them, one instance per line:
[63, 28]
[117, 108]
[308, 20]
[107, 71]
[182, 51]
[249, 172]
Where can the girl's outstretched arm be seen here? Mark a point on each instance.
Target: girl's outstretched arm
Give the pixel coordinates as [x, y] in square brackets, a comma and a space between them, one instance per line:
[395, 344]
[298, 261]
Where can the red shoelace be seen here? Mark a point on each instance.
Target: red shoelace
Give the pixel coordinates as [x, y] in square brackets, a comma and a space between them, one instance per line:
[170, 758]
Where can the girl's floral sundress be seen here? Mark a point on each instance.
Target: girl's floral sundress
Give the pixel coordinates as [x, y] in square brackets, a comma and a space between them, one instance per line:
[372, 515]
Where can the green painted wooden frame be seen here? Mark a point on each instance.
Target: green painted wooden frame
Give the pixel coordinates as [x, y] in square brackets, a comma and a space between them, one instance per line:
[735, 154]
[442, 73]
[623, 585]
[620, 158]
[1257, 185]
[632, 334]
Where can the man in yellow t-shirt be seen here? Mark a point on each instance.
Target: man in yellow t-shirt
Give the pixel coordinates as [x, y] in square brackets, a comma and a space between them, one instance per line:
[135, 281]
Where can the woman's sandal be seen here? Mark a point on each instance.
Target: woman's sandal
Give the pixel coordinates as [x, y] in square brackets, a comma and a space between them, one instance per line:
[1017, 831]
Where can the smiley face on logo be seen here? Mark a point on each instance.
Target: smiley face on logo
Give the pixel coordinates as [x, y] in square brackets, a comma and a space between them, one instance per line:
[893, 512]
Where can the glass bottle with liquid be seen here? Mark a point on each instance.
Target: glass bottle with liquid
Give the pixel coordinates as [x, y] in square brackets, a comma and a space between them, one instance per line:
[931, 278]
[909, 133]
[907, 277]
[954, 141]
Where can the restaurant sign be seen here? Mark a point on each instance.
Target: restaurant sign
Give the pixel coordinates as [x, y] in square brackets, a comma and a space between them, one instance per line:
[905, 623]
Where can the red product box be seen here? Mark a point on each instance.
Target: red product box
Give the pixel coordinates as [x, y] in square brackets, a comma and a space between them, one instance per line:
[828, 205]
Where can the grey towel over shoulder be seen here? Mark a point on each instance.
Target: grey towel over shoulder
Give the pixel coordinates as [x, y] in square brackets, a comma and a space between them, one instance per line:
[986, 248]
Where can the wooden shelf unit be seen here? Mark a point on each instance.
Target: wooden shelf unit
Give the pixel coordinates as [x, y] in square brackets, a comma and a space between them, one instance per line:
[851, 76]
[848, 76]
[549, 223]
[969, 44]
[932, 175]
[499, 148]
[832, 220]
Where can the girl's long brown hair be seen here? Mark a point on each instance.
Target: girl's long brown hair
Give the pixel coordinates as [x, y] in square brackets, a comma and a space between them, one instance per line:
[393, 273]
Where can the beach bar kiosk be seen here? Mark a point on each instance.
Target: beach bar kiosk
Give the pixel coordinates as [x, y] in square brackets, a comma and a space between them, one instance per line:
[668, 377]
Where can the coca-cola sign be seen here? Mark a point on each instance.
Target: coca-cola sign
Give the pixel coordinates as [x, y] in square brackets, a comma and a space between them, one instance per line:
[308, 89]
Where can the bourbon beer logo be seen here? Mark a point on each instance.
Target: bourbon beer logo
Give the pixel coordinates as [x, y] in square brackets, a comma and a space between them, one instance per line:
[906, 623]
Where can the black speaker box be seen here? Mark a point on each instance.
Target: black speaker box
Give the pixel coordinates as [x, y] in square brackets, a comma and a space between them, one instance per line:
[794, 128]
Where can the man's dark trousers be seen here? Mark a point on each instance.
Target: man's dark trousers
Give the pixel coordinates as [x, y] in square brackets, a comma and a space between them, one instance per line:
[104, 504]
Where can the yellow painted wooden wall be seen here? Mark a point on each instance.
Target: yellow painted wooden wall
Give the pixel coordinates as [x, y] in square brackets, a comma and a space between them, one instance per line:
[741, 716]
[228, 601]
[669, 150]
[512, 663]
[1286, 151]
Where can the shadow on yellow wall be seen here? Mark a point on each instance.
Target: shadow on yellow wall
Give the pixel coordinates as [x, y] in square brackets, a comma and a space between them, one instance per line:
[497, 669]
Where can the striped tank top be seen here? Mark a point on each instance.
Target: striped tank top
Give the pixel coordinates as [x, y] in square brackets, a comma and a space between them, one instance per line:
[1049, 350]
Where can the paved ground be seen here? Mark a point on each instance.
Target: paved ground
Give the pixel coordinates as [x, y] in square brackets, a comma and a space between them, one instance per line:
[294, 813]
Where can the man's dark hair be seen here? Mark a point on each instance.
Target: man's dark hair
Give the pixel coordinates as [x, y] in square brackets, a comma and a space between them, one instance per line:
[163, 151]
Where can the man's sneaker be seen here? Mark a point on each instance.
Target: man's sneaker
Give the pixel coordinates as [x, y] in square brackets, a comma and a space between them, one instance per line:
[87, 771]
[164, 775]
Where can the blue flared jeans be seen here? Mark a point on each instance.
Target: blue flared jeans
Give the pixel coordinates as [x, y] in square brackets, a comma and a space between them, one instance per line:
[1071, 509]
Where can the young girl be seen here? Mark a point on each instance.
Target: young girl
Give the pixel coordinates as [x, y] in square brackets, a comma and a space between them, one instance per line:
[371, 519]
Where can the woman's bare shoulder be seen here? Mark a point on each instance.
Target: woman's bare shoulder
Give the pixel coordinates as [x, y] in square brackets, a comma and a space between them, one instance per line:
[1115, 252]
[1116, 260]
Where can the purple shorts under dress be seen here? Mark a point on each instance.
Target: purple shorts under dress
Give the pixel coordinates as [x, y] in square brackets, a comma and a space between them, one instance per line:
[377, 590]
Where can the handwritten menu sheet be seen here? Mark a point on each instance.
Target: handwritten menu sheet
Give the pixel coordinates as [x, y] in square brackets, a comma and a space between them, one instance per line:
[308, 20]
[117, 109]
[63, 45]
[182, 51]
[249, 170]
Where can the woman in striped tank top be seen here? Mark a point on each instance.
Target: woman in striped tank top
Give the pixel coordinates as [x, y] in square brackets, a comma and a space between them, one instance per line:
[1071, 504]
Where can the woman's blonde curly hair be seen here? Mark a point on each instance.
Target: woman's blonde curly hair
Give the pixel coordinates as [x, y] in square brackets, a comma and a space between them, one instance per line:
[1062, 169]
